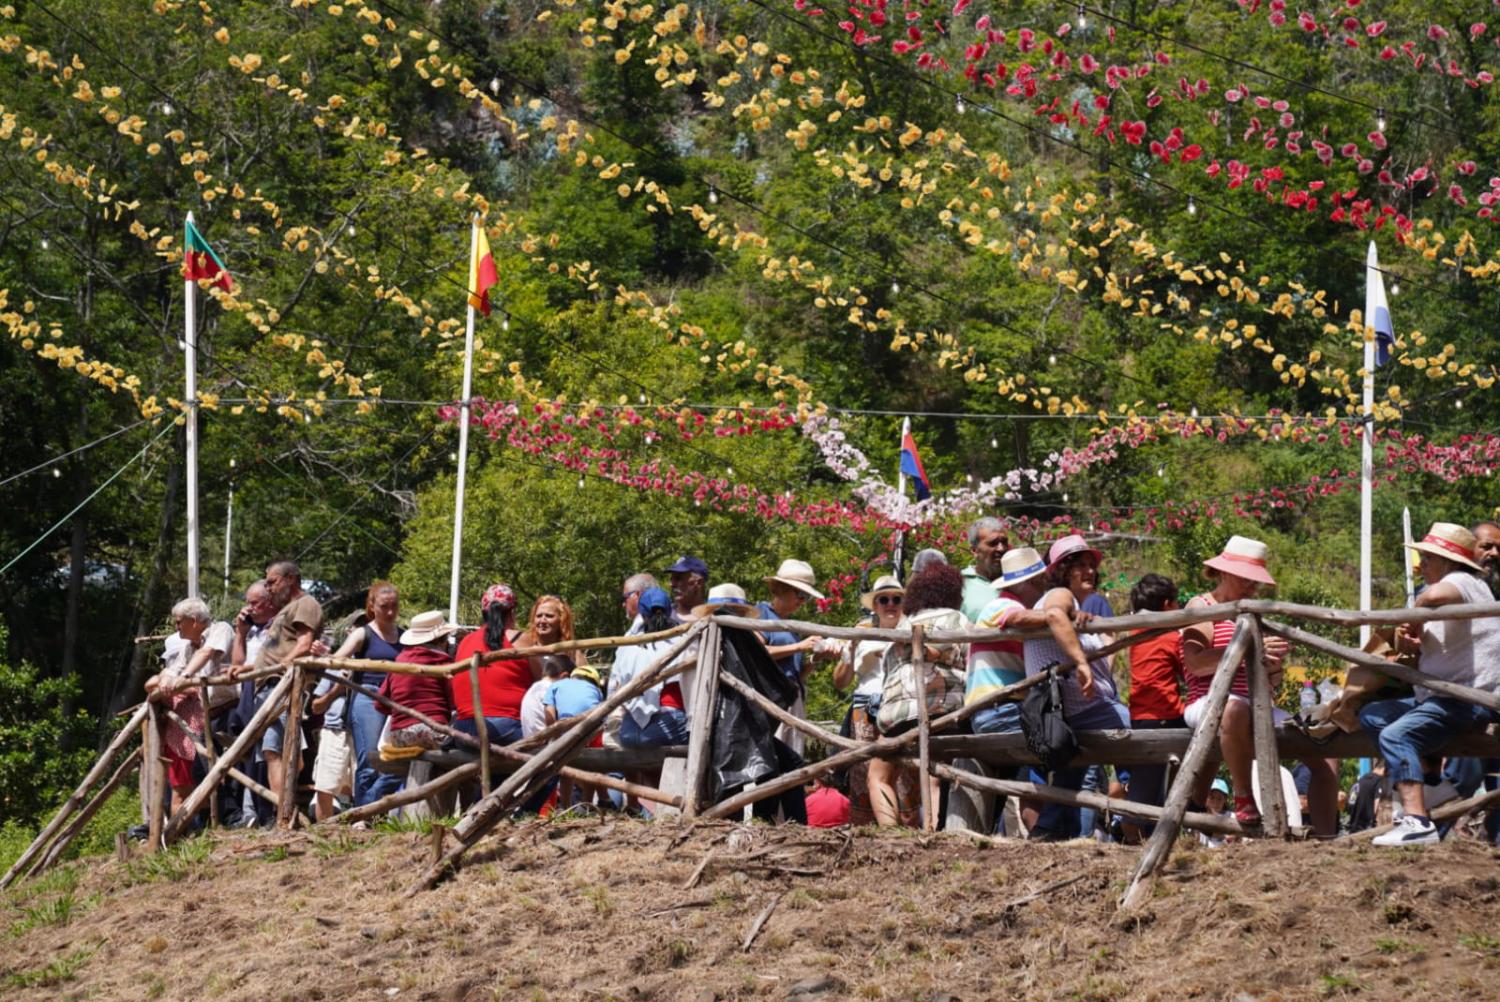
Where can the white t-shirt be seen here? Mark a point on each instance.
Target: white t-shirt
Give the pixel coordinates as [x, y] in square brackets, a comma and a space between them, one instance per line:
[1466, 651]
[533, 711]
[217, 638]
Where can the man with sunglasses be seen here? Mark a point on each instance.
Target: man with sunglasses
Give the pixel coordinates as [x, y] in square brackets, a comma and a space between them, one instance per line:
[630, 599]
[989, 542]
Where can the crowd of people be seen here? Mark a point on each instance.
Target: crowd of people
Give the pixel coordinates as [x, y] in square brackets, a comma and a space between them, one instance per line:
[1160, 682]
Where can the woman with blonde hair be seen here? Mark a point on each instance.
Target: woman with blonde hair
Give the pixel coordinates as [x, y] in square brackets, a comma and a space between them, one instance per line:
[378, 639]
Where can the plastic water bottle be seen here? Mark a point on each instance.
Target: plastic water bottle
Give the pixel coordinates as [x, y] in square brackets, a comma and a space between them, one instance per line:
[1309, 697]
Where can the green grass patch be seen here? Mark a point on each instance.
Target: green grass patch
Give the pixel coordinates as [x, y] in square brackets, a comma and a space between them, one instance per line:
[170, 865]
[55, 973]
[1480, 942]
[1338, 984]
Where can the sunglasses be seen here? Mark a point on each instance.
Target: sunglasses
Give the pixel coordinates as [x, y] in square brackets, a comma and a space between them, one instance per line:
[887, 599]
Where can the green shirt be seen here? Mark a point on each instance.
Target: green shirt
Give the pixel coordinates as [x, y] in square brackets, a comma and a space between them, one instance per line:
[978, 593]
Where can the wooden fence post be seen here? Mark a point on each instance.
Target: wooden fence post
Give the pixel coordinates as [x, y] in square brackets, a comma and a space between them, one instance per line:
[208, 747]
[1263, 724]
[705, 703]
[481, 728]
[1200, 749]
[924, 731]
[154, 770]
[131, 763]
[291, 751]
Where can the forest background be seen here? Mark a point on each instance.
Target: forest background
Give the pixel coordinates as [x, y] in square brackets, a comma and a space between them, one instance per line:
[1132, 230]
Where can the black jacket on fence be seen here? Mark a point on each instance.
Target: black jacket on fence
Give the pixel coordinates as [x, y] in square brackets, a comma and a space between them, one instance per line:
[745, 749]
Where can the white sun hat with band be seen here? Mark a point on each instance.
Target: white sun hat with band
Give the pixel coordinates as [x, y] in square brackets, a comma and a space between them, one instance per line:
[797, 574]
[1245, 558]
[1452, 542]
[1020, 565]
[426, 627]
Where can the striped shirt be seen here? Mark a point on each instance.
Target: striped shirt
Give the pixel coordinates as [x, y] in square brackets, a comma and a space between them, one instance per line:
[1198, 685]
[995, 664]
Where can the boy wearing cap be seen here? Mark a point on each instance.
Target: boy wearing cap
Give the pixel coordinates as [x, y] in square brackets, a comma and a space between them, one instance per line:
[573, 695]
[1409, 731]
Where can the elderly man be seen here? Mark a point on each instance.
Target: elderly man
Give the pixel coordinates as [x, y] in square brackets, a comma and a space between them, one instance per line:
[1487, 553]
[630, 599]
[989, 541]
[689, 577]
[289, 636]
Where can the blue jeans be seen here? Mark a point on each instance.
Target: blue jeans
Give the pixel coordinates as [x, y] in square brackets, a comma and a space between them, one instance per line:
[502, 730]
[1406, 730]
[1059, 821]
[1003, 718]
[666, 727]
[365, 724]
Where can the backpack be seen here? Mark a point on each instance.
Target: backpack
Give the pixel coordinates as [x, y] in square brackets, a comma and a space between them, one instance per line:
[943, 685]
[1047, 733]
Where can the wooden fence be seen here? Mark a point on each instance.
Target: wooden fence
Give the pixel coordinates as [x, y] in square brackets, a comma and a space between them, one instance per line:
[526, 767]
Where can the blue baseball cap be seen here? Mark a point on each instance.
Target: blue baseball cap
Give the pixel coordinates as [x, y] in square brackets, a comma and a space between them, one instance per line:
[655, 600]
[689, 565]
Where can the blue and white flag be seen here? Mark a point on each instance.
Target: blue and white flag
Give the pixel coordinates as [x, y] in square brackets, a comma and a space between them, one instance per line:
[1377, 310]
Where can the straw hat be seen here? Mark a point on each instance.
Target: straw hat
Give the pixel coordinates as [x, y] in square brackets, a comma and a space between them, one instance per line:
[883, 585]
[1451, 542]
[1065, 548]
[426, 627]
[726, 598]
[1020, 565]
[797, 574]
[1244, 558]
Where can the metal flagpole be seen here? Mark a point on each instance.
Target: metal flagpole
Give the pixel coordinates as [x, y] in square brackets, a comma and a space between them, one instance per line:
[1366, 450]
[190, 344]
[463, 441]
[228, 528]
[901, 490]
[1411, 594]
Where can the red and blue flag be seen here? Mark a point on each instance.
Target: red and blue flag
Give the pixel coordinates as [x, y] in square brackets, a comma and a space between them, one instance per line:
[911, 465]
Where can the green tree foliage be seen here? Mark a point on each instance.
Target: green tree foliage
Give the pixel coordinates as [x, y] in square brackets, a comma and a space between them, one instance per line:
[44, 747]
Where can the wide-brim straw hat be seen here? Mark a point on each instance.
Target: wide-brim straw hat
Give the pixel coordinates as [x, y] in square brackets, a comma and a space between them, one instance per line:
[1066, 547]
[1244, 558]
[884, 585]
[1451, 542]
[426, 627]
[726, 599]
[1021, 565]
[797, 574]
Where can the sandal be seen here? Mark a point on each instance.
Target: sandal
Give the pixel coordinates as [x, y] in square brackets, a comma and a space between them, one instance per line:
[1245, 811]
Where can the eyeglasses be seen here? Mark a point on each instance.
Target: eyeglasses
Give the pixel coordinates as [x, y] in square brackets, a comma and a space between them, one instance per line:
[625, 598]
[887, 599]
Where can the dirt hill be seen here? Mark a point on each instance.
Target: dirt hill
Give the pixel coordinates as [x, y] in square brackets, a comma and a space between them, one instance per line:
[615, 909]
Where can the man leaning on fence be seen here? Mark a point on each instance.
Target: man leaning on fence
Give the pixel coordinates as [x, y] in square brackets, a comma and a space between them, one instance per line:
[1410, 731]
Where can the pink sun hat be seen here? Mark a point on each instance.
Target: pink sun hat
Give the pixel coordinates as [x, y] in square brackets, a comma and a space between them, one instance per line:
[1069, 545]
[1245, 558]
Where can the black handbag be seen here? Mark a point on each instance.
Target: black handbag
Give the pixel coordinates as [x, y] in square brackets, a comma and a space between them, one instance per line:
[1047, 733]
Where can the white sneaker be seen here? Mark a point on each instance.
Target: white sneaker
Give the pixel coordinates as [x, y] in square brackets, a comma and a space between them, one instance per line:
[1409, 831]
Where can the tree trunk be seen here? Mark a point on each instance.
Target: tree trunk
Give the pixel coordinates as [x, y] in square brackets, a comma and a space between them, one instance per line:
[138, 662]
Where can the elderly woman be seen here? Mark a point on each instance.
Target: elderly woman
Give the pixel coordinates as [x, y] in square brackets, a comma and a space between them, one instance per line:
[1091, 701]
[378, 639]
[204, 651]
[879, 791]
[1410, 731]
[425, 642]
[1238, 572]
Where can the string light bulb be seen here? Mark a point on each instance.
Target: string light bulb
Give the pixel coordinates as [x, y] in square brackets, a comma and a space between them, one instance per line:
[895, 288]
[713, 196]
[46, 244]
[1065, 497]
[1051, 359]
[167, 109]
[969, 477]
[1380, 119]
[1395, 288]
[642, 399]
[1161, 471]
[959, 106]
[1192, 206]
[56, 473]
[494, 85]
[1458, 405]
[505, 322]
[1083, 20]
[580, 483]
[994, 443]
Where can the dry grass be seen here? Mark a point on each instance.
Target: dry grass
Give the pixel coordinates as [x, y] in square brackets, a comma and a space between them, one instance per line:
[597, 910]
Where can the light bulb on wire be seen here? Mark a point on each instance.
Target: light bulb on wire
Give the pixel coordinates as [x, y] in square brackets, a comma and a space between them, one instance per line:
[895, 288]
[713, 196]
[1051, 359]
[1395, 288]
[959, 106]
[494, 85]
[46, 244]
[505, 323]
[1192, 206]
[1380, 119]
[1083, 20]
[994, 443]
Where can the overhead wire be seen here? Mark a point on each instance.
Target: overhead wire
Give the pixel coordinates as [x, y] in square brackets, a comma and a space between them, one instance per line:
[73, 452]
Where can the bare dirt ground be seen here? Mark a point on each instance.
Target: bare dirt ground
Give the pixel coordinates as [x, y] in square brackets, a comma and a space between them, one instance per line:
[617, 909]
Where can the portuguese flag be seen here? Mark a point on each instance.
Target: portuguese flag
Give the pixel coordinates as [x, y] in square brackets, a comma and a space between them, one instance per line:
[481, 272]
[199, 260]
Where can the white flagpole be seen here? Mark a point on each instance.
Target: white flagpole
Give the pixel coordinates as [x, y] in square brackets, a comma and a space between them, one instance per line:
[463, 442]
[1367, 426]
[1411, 594]
[901, 489]
[190, 343]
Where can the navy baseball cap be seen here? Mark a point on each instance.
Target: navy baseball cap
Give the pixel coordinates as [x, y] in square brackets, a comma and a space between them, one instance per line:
[689, 565]
[655, 600]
